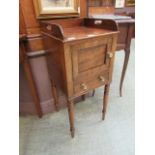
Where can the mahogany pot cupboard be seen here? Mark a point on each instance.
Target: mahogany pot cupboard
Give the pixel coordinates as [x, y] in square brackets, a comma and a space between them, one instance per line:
[81, 53]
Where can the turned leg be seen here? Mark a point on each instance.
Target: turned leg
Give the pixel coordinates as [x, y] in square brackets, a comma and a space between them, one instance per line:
[32, 87]
[55, 95]
[126, 59]
[105, 100]
[84, 97]
[93, 93]
[71, 117]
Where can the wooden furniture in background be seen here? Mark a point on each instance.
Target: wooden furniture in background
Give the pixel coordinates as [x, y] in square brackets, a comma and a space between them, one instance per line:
[107, 3]
[125, 24]
[130, 3]
[126, 27]
[101, 3]
[80, 55]
[107, 7]
[23, 59]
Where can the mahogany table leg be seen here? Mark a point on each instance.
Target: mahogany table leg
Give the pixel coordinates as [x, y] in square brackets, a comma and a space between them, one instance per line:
[93, 93]
[84, 97]
[71, 117]
[32, 87]
[55, 95]
[105, 100]
[126, 59]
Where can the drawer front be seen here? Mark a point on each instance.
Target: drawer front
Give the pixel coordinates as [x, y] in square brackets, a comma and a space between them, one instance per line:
[91, 79]
[91, 63]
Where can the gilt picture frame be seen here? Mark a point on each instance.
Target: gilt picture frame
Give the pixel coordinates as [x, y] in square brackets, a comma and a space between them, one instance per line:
[56, 8]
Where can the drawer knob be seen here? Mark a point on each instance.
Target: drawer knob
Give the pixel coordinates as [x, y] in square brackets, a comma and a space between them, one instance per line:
[84, 86]
[101, 78]
[110, 54]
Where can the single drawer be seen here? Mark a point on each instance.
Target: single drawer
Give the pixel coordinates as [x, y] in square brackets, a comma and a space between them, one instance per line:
[91, 79]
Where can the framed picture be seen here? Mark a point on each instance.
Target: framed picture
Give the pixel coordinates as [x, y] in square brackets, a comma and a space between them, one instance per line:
[56, 8]
[119, 3]
[130, 3]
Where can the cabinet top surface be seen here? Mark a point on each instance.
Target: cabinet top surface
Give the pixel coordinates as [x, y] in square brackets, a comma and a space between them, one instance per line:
[83, 32]
[76, 29]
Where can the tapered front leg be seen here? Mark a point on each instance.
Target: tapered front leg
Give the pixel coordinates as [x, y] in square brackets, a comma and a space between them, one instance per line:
[71, 117]
[105, 100]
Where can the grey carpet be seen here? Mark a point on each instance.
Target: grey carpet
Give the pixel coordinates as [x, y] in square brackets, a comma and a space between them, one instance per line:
[114, 136]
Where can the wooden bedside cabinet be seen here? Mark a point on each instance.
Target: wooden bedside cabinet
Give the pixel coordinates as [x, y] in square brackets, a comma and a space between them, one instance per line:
[80, 55]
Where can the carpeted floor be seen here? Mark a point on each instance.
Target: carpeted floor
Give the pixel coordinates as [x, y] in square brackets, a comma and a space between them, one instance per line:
[114, 136]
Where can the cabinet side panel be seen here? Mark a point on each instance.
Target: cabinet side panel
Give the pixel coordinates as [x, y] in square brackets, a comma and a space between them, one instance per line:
[54, 58]
[68, 69]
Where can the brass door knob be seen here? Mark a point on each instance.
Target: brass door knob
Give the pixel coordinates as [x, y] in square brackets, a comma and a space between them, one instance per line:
[101, 78]
[84, 86]
[110, 54]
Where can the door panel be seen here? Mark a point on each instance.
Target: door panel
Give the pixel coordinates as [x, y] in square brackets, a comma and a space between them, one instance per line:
[90, 63]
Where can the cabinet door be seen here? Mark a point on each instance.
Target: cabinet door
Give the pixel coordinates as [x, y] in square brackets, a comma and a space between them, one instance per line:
[91, 63]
